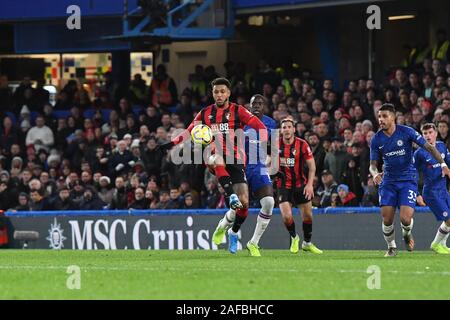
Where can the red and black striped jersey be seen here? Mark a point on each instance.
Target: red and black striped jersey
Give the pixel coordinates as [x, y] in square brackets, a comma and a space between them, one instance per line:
[292, 158]
[223, 123]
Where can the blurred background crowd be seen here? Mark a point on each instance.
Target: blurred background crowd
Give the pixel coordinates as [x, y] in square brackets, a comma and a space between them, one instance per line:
[89, 154]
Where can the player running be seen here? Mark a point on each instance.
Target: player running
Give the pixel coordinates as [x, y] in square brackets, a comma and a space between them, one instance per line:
[258, 180]
[434, 191]
[294, 189]
[398, 180]
[224, 117]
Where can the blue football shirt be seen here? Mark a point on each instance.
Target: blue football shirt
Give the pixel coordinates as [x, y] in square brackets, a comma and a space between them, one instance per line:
[396, 152]
[252, 144]
[431, 169]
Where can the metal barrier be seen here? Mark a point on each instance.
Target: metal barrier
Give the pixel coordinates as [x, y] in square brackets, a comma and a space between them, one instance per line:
[132, 212]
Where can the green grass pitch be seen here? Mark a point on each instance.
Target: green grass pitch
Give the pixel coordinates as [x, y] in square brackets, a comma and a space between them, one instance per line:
[42, 274]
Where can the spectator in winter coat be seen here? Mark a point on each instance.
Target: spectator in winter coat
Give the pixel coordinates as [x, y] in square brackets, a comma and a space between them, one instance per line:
[6, 200]
[370, 197]
[119, 199]
[336, 160]
[24, 203]
[176, 201]
[120, 161]
[140, 201]
[38, 201]
[63, 201]
[164, 199]
[188, 202]
[90, 200]
[329, 187]
[105, 193]
[346, 197]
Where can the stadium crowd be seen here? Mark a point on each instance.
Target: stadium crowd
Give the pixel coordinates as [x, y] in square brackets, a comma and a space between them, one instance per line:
[86, 161]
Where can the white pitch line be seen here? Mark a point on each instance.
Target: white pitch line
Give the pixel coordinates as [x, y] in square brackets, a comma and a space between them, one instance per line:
[194, 269]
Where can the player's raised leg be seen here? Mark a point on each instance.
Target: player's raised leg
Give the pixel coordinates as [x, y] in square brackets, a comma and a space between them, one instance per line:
[216, 164]
[387, 213]
[307, 217]
[288, 220]
[224, 224]
[241, 189]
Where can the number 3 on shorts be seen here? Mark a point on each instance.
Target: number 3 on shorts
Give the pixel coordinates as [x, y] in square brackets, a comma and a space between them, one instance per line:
[412, 195]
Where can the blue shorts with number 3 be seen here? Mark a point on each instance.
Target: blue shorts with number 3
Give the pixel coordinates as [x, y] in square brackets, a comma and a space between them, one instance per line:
[398, 193]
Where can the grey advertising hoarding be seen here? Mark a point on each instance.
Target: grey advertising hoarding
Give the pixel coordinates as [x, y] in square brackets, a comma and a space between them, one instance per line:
[192, 232]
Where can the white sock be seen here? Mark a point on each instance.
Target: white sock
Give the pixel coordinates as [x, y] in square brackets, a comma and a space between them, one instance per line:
[228, 219]
[230, 231]
[267, 204]
[406, 230]
[442, 234]
[305, 244]
[444, 241]
[389, 235]
[261, 224]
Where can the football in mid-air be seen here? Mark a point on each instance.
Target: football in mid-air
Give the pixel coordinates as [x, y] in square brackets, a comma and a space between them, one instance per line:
[202, 134]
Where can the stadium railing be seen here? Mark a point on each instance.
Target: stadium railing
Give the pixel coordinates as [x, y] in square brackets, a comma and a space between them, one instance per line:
[132, 212]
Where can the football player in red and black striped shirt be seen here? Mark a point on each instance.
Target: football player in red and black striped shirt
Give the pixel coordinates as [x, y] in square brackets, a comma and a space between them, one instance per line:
[294, 188]
[224, 117]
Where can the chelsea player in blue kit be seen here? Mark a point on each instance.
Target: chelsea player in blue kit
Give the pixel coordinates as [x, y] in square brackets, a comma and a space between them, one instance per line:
[258, 180]
[398, 181]
[435, 192]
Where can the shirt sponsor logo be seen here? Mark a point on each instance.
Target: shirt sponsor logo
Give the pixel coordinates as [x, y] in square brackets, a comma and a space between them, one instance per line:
[396, 153]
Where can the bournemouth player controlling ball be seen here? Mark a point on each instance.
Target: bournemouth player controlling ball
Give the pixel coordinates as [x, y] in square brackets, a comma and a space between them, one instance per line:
[258, 179]
[228, 162]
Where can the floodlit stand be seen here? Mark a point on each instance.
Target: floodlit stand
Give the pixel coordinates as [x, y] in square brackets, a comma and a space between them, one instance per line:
[190, 20]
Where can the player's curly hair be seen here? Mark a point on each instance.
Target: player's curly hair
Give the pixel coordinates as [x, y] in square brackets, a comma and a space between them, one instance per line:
[221, 81]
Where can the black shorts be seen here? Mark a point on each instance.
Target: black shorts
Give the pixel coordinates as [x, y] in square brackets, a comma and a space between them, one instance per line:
[294, 196]
[237, 173]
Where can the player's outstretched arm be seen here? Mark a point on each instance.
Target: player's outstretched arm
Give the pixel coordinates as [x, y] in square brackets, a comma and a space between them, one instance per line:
[437, 155]
[376, 175]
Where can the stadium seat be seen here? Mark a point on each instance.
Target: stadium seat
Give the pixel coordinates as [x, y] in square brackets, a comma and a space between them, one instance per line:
[137, 110]
[89, 113]
[105, 114]
[60, 114]
[33, 116]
